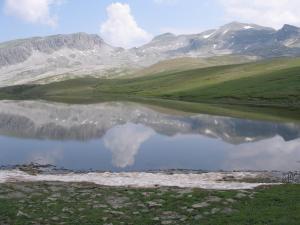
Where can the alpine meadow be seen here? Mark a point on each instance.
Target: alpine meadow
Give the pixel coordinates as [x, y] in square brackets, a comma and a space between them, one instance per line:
[153, 112]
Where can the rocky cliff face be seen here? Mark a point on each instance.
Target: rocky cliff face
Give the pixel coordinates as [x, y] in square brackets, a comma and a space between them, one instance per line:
[15, 52]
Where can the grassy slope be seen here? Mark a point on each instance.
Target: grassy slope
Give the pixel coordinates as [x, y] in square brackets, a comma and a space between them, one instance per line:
[273, 83]
[276, 82]
[188, 63]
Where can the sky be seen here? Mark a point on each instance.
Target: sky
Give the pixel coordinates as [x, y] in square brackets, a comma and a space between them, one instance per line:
[129, 23]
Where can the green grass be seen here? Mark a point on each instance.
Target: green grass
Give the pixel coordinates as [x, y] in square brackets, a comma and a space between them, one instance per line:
[265, 86]
[277, 205]
[67, 203]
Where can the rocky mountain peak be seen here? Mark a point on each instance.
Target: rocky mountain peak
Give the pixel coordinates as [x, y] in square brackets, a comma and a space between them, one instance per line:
[287, 32]
[80, 41]
[164, 37]
[290, 28]
[235, 26]
[18, 51]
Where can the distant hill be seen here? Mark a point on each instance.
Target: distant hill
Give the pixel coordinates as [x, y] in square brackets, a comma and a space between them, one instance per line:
[188, 63]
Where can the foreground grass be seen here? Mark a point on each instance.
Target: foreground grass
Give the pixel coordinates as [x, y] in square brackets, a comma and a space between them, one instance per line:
[60, 203]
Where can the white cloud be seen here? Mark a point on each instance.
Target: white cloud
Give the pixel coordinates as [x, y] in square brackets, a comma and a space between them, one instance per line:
[272, 13]
[32, 11]
[121, 29]
[124, 142]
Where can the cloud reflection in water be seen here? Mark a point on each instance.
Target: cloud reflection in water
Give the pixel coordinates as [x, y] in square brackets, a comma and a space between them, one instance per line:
[124, 142]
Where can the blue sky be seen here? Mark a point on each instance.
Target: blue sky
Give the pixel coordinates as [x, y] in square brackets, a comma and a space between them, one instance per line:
[137, 21]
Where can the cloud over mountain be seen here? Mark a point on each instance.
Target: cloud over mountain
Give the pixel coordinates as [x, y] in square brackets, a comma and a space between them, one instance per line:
[272, 13]
[121, 28]
[32, 11]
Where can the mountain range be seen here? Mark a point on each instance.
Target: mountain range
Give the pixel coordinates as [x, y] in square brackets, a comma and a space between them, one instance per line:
[58, 57]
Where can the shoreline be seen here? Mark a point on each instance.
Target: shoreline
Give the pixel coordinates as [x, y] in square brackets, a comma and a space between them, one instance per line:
[207, 180]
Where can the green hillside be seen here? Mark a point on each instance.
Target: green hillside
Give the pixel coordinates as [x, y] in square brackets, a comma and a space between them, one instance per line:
[189, 63]
[274, 83]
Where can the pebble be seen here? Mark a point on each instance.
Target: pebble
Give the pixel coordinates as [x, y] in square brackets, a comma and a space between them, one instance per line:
[20, 213]
[240, 195]
[198, 217]
[200, 205]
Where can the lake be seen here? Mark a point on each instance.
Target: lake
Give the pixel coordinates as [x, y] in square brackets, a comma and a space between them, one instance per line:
[124, 136]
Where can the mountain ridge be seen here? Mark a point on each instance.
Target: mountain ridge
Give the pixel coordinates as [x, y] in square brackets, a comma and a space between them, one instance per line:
[79, 54]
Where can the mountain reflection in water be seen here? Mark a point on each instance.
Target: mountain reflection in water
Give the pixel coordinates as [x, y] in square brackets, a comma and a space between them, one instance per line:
[140, 138]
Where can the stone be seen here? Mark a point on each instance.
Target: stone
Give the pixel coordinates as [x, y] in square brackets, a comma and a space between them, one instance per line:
[214, 210]
[227, 210]
[152, 204]
[240, 195]
[20, 213]
[198, 217]
[200, 205]
[55, 218]
[230, 200]
[97, 206]
[213, 199]
[116, 212]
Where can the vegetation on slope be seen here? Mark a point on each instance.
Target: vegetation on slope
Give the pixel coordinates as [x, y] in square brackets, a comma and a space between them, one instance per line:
[189, 63]
[274, 83]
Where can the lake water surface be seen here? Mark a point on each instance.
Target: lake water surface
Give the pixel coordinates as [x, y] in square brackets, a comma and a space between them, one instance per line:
[131, 137]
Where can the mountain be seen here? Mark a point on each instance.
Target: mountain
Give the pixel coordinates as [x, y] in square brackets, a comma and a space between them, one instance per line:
[52, 58]
[19, 51]
[27, 60]
[233, 38]
[289, 36]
